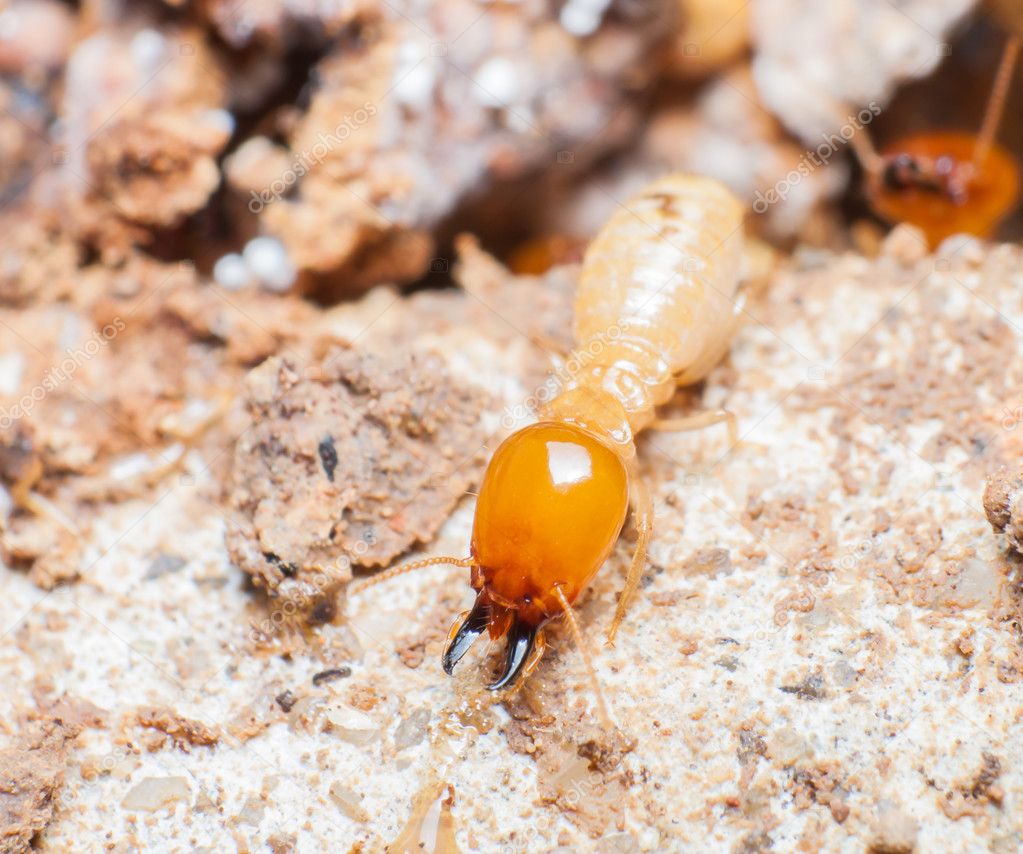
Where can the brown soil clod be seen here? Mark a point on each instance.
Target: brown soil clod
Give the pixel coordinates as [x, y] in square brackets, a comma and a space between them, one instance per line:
[1003, 506]
[31, 780]
[971, 797]
[349, 461]
[181, 730]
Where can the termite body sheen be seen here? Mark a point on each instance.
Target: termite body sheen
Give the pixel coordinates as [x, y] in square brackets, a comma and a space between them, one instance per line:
[656, 307]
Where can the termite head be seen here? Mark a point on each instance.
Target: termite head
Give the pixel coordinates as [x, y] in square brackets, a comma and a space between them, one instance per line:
[942, 176]
[934, 181]
[550, 509]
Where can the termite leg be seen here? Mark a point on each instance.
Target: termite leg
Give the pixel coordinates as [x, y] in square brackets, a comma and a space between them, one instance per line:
[555, 351]
[643, 511]
[584, 650]
[700, 420]
[34, 503]
[469, 626]
[189, 442]
[539, 648]
[552, 347]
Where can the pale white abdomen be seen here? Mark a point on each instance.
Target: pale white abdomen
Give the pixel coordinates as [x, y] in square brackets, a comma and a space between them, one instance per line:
[656, 304]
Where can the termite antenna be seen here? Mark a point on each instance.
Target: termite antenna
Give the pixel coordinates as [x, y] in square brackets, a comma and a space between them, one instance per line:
[580, 642]
[363, 583]
[860, 142]
[996, 102]
[866, 153]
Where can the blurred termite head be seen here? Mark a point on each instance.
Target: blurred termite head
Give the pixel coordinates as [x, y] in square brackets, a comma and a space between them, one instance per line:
[551, 506]
[946, 181]
[935, 181]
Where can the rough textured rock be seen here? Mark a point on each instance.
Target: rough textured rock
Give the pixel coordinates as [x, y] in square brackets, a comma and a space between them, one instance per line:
[814, 62]
[413, 119]
[1003, 506]
[349, 461]
[31, 778]
[142, 123]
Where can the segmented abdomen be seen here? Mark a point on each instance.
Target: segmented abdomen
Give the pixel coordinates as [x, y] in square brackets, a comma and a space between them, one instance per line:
[656, 303]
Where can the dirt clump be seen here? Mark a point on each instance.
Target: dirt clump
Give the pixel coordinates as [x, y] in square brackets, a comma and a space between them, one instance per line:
[1003, 506]
[349, 461]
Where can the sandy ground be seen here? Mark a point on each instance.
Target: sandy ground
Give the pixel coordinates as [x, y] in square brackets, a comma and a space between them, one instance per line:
[824, 652]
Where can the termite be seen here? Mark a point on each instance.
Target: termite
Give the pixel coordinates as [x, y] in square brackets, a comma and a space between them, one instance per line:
[948, 182]
[656, 308]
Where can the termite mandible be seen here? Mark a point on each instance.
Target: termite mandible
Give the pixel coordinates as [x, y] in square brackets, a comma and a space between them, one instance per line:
[664, 272]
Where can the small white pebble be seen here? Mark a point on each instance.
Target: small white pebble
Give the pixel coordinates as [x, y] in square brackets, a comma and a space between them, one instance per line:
[130, 466]
[12, 370]
[269, 262]
[650, 839]
[189, 418]
[351, 725]
[231, 272]
[156, 793]
[413, 78]
[497, 82]
[415, 86]
[520, 120]
[222, 120]
[906, 244]
[963, 247]
[148, 48]
[9, 21]
[580, 19]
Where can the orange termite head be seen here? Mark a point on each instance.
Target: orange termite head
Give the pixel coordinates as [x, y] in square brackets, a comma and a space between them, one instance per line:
[932, 181]
[552, 503]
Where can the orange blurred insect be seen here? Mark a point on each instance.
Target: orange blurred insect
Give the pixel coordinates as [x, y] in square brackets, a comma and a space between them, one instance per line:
[662, 274]
[948, 182]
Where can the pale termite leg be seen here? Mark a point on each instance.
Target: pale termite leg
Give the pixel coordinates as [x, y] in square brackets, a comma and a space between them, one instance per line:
[364, 583]
[554, 350]
[584, 651]
[551, 346]
[36, 504]
[643, 511]
[189, 442]
[700, 421]
[539, 648]
[760, 260]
